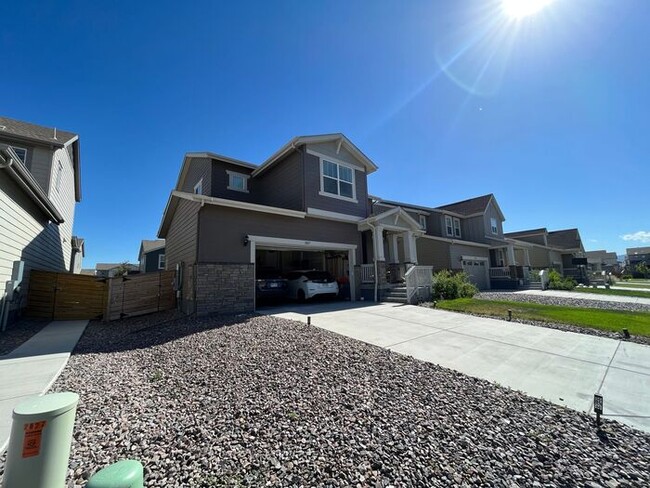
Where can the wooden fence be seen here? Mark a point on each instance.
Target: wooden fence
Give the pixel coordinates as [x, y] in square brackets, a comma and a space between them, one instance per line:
[140, 294]
[65, 296]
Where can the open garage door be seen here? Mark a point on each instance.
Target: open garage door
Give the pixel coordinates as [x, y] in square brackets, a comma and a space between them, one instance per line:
[276, 256]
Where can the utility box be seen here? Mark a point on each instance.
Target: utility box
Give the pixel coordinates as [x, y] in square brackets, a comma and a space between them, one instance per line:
[39, 445]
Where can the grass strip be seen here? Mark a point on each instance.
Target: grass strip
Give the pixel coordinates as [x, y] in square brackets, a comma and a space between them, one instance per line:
[638, 323]
[621, 293]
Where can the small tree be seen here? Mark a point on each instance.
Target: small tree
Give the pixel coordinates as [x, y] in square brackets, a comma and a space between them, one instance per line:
[449, 286]
[643, 269]
[122, 270]
[557, 282]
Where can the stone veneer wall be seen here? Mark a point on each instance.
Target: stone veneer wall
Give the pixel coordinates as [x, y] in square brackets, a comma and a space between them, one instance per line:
[224, 288]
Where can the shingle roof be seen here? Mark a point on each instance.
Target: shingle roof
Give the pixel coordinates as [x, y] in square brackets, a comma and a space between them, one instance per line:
[469, 207]
[148, 246]
[631, 251]
[564, 239]
[524, 233]
[34, 132]
[108, 266]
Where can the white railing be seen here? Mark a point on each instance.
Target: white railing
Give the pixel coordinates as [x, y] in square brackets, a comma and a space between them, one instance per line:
[367, 273]
[500, 273]
[418, 283]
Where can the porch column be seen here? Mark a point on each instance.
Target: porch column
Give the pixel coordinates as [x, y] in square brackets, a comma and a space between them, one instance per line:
[511, 256]
[392, 244]
[527, 257]
[410, 250]
[378, 243]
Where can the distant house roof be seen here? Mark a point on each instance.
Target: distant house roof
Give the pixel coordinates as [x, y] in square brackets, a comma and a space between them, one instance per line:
[524, 233]
[109, 266]
[470, 206]
[148, 246]
[631, 251]
[87, 271]
[33, 132]
[564, 239]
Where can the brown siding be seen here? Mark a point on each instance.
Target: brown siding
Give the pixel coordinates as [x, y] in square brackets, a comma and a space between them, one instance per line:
[490, 212]
[314, 200]
[199, 168]
[282, 184]
[222, 232]
[433, 253]
[474, 229]
[539, 257]
[458, 250]
[220, 181]
[181, 238]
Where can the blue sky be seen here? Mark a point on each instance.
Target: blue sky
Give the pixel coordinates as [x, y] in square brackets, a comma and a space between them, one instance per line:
[451, 99]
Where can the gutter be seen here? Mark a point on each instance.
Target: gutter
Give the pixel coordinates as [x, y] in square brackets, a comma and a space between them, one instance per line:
[10, 161]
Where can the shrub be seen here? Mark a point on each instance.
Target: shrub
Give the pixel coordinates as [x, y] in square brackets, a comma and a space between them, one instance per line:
[449, 286]
[626, 276]
[557, 282]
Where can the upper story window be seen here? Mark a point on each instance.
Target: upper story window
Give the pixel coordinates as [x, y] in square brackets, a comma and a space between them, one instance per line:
[198, 188]
[161, 261]
[494, 225]
[452, 225]
[423, 222]
[21, 152]
[337, 180]
[237, 181]
[59, 176]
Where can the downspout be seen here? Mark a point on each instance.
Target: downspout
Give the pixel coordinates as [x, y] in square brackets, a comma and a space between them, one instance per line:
[374, 257]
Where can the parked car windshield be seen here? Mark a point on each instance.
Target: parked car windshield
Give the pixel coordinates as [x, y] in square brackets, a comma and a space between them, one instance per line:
[319, 276]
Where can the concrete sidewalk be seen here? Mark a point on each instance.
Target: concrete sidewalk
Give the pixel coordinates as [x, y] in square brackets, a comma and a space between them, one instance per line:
[585, 296]
[563, 367]
[34, 366]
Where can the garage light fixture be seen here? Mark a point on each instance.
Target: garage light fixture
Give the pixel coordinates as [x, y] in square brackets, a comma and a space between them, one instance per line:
[246, 241]
[598, 407]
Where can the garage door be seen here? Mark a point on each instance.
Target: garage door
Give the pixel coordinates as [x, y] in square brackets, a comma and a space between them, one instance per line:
[477, 272]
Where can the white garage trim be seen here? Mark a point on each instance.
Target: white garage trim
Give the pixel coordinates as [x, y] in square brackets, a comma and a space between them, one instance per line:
[279, 243]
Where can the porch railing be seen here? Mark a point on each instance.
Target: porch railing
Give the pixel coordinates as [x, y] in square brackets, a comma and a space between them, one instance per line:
[395, 272]
[503, 272]
[418, 283]
[367, 273]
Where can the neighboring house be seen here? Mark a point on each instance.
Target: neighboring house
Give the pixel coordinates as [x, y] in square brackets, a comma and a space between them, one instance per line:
[108, 270]
[464, 236]
[635, 256]
[152, 255]
[552, 249]
[39, 187]
[78, 253]
[601, 260]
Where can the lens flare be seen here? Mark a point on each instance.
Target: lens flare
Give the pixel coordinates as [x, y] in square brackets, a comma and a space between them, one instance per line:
[518, 9]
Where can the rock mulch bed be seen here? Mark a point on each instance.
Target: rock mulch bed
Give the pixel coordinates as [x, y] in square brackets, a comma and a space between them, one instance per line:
[563, 301]
[18, 333]
[262, 401]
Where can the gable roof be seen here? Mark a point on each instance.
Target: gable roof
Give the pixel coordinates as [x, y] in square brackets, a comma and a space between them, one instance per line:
[33, 132]
[150, 245]
[369, 166]
[399, 213]
[524, 233]
[564, 239]
[109, 266]
[470, 206]
[631, 251]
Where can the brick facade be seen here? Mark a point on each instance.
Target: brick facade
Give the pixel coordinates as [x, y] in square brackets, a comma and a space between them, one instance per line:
[224, 288]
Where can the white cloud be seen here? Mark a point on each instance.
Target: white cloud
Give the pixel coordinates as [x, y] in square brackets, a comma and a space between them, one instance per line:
[641, 236]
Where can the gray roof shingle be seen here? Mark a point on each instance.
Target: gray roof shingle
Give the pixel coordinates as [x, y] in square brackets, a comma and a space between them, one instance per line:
[470, 206]
[34, 132]
[564, 239]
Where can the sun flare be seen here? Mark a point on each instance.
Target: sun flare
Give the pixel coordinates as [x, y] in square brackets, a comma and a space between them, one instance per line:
[518, 9]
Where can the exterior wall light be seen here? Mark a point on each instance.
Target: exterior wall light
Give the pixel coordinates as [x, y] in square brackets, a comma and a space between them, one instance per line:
[246, 241]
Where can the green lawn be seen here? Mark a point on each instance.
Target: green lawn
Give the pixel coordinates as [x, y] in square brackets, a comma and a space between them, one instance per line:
[623, 293]
[638, 323]
[633, 284]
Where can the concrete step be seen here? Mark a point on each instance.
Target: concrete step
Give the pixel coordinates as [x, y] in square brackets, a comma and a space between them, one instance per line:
[394, 299]
[398, 294]
[534, 285]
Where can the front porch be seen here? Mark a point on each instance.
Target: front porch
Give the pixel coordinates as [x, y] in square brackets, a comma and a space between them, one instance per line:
[510, 267]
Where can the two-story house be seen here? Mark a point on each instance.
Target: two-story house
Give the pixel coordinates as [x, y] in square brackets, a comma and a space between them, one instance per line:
[636, 256]
[152, 255]
[39, 187]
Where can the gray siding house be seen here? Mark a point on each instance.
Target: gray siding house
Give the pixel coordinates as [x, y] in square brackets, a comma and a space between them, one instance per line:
[152, 255]
[39, 187]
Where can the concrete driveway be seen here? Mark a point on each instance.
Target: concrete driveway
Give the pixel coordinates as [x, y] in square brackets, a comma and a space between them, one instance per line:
[563, 367]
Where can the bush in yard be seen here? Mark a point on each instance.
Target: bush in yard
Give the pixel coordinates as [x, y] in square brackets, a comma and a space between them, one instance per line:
[626, 277]
[557, 282]
[449, 286]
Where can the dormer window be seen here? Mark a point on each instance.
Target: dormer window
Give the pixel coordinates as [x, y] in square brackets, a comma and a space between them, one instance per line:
[494, 225]
[198, 188]
[337, 180]
[237, 181]
[21, 152]
[452, 225]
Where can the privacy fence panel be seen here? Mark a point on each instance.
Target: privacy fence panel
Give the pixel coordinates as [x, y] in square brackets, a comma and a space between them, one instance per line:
[140, 294]
[65, 296]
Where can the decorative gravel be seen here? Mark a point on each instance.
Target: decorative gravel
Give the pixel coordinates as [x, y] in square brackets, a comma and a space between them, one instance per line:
[18, 333]
[263, 401]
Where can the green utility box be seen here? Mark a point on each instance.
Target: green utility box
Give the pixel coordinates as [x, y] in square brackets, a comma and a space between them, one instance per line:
[123, 474]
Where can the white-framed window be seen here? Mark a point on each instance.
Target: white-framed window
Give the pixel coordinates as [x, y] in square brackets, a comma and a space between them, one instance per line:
[423, 222]
[198, 188]
[21, 152]
[237, 181]
[161, 261]
[494, 225]
[59, 176]
[452, 226]
[337, 180]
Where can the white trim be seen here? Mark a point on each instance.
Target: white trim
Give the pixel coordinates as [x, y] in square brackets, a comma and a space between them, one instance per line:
[223, 202]
[335, 160]
[326, 214]
[473, 258]
[161, 255]
[457, 227]
[494, 224]
[423, 221]
[322, 177]
[244, 178]
[24, 161]
[456, 241]
[225, 159]
[282, 243]
[198, 188]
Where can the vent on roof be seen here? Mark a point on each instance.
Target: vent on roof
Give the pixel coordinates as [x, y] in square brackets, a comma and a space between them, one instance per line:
[54, 134]
[3, 127]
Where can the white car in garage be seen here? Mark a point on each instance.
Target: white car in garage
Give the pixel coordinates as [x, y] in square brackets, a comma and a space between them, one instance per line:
[305, 284]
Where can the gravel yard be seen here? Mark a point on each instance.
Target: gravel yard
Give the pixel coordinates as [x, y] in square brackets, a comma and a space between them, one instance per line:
[251, 401]
[565, 302]
[18, 333]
